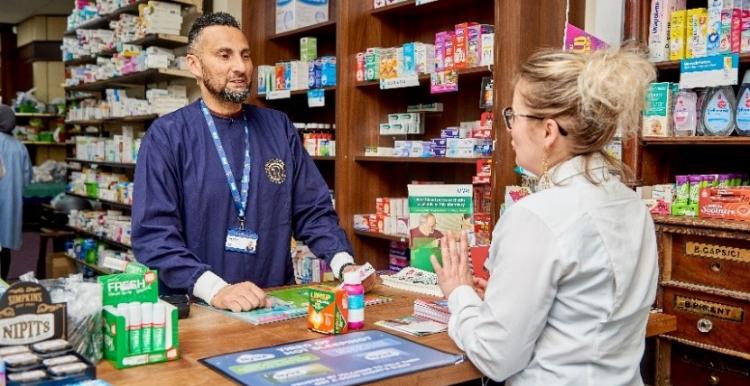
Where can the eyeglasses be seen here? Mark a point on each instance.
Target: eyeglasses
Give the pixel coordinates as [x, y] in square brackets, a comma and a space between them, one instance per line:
[509, 115]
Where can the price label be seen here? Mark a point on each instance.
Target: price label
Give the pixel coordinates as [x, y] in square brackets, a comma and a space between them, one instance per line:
[316, 98]
[709, 71]
[400, 82]
[279, 94]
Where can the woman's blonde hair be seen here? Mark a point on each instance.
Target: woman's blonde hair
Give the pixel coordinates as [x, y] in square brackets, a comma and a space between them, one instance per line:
[589, 95]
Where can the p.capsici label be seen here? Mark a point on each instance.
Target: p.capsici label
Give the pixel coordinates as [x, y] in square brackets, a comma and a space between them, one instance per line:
[717, 251]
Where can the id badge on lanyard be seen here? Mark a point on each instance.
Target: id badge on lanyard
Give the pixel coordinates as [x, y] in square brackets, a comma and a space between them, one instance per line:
[238, 239]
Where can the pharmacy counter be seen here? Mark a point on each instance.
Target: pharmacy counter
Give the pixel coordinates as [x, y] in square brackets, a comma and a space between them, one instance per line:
[207, 333]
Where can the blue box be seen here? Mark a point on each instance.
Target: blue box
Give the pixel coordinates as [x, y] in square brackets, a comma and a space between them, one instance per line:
[409, 60]
[328, 71]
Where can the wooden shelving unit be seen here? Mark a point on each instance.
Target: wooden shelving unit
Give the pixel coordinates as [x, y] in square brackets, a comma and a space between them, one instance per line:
[51, 144]
[428, 160]
[382, 236]
[113, 204]
[359, 107]
[103, 163]
[698, 140]
[99, 238]
[136, 78]
[103, 20]
[127, 119]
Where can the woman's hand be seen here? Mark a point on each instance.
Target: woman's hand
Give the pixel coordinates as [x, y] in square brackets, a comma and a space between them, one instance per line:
[455, 269]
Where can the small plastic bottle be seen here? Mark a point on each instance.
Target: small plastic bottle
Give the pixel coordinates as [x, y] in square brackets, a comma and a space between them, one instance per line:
[742, 119]
[356, 291]
[718, 110]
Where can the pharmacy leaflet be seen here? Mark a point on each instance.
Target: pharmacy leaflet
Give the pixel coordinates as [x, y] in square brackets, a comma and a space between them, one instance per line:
[350, 359]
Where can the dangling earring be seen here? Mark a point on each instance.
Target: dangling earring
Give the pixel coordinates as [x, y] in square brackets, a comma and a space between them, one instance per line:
[544, 181]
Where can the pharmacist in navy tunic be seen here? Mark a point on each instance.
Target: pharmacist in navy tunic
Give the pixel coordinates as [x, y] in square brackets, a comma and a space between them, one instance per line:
[184, 207]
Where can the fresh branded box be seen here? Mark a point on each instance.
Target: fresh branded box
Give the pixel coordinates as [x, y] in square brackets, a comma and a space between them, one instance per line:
[656, 113]
[127, 288]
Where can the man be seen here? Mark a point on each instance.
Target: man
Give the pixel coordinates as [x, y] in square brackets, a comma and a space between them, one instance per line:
[426, 228]
[220, 185]
[15, 160]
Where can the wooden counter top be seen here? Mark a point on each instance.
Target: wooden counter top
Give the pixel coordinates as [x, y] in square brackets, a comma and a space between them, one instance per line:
[207, 333]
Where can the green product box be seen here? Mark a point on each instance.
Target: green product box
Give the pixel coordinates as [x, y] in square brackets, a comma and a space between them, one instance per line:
[143, 288]
[308, 49]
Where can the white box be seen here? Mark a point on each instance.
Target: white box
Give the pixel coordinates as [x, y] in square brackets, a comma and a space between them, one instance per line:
[293, 14]
[488, 49]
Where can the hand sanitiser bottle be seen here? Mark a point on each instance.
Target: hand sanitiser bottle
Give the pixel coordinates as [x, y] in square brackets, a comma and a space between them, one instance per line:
[743, 106]
[146, 325]
[356, 291]
[717, 112]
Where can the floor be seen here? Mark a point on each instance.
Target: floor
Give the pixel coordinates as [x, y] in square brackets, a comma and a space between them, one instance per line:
[24, 259]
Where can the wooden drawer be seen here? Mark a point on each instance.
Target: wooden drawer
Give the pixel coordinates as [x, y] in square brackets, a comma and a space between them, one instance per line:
[699, 258]
[709, 318]
[695, 367]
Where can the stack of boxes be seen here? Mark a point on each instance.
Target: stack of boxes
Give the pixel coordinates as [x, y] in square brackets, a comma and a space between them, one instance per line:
[158, 17]
[120, 148]
[164, 101]
[398, 255]
[308, 268]
[105, 186]
[676, 33]
[469, 45]
[391, 217]
[83, 12]
[310, 72]
[111, 224]
[293, 14]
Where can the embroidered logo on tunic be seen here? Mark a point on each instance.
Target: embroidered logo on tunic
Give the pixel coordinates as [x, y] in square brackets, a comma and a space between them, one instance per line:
[276, 170]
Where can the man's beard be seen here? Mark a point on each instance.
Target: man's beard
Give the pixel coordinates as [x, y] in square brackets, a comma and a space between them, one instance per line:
[233, 96]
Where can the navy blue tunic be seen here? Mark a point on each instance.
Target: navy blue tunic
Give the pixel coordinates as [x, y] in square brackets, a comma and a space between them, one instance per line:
[182, 205]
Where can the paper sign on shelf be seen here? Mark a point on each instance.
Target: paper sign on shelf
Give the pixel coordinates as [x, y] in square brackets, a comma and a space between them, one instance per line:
[316, 98]
[279, 94]
[709, 71]
[400, 82]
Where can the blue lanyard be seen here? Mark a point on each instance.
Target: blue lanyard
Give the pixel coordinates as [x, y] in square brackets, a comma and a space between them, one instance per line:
[240, 198]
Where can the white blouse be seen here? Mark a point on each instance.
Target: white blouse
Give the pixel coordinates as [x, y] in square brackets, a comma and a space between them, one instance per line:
[573, 274]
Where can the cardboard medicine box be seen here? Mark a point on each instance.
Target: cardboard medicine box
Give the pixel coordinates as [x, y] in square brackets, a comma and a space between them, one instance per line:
[143, 288]
[327, 311]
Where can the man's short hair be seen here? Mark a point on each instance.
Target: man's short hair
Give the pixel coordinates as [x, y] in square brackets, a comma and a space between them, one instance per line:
[208, 20]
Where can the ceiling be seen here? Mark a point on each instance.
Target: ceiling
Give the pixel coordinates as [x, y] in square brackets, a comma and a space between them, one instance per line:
[16, 11]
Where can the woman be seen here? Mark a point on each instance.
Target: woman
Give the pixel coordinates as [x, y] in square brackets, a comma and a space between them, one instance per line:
[573, 267]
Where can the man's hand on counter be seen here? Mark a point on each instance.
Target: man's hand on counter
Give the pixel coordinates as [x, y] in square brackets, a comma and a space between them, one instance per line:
[368, 283]
[239, 297]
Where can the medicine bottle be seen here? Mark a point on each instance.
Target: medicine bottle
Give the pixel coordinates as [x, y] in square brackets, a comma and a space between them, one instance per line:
[356, 291]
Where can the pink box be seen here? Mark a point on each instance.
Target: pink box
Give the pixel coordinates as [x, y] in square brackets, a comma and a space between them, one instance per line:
[440, 39]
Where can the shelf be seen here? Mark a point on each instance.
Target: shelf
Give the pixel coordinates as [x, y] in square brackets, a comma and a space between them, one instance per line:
[326, 27]
[161, 40]
[80, 98]
[88, 59]
[702, 223]
[36, 115]
[102, 163]
[113, 204]
[382, 236]
[697, 140]
[322, 158]
[129, 119]
[295, 93]
[99, 238]
[136, 78]
[426, 160]
[51, 144]
[103, 20]
[425, 78]
[675, 64]
[409, 7]
[95, 268]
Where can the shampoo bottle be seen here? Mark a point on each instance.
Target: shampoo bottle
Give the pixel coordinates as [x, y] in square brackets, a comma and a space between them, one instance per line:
[743, 106]
[717, 112]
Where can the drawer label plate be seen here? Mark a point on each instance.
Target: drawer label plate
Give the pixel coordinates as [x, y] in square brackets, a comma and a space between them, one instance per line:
[717, 251]
[711, 309]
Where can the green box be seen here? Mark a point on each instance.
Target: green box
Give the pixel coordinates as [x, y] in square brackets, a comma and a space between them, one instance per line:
[127, 288]
[308, 49]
